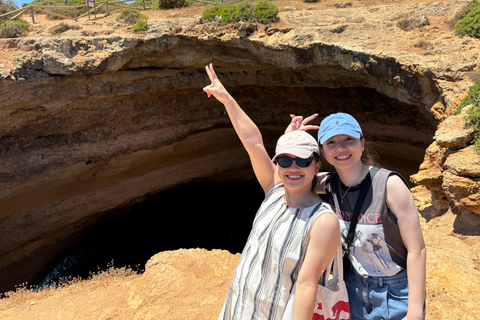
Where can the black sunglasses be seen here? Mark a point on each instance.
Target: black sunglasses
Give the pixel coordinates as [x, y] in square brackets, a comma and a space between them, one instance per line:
[286, 162]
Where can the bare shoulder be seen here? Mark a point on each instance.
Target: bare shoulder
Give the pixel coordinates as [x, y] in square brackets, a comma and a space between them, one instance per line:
[399, 199]
[395, 182]
[326, 222]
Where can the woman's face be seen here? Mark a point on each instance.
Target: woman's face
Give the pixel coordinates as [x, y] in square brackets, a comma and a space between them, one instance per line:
[343, 151]
[296, 178]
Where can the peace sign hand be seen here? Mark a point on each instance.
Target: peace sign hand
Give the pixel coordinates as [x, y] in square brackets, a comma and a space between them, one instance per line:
[216, 88]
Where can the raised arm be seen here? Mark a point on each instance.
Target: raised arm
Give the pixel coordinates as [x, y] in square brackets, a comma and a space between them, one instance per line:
[247, 131]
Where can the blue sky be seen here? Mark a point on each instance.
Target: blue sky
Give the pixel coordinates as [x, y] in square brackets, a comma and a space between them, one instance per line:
[20, 2]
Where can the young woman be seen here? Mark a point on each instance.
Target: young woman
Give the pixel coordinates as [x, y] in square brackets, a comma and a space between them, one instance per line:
[294, 235]
[388, 255]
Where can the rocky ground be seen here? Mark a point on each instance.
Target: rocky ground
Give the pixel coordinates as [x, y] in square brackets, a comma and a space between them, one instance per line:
[188, 284]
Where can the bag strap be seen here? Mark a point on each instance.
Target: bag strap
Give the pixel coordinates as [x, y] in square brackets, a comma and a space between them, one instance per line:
[358, 206]
[335, 268]
[328, 188]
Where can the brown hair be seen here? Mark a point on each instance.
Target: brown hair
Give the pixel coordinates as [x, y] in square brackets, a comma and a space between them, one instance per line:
[369, 155]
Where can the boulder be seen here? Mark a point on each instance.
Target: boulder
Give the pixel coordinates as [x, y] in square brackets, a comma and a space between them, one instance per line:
[454, 133]
[461, 179]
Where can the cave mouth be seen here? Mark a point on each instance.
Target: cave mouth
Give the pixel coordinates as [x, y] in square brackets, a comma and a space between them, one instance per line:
[199, 214]
[206, 213]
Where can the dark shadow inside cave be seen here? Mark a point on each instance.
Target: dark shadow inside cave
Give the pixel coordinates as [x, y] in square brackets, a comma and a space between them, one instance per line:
[199, 214]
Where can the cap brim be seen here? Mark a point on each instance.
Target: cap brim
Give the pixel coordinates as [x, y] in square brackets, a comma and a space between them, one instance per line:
[338, 131]
[298, 152]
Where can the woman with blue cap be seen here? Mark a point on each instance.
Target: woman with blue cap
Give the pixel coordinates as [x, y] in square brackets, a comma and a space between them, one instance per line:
[294, 234]
[385, 246]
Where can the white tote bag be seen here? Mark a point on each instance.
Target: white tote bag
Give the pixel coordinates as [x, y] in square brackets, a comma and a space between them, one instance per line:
[332, 297]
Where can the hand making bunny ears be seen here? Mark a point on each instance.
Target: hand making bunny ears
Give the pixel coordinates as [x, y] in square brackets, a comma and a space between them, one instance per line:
[298, 123]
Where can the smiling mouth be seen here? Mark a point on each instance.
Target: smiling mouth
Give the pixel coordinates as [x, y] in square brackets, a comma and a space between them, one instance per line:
[343, 157]
[293, 177]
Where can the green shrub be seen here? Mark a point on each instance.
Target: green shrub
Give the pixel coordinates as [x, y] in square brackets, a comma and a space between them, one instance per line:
[225, 12]
[135, 18]
[153, 4]
[13, 28]
[470, 24]
[473, 115]
[242, 12]
[140, 25]
[262, 12]
[265, 13]
[473, 97]
[473, 120]
[460, 14]
[172, 4]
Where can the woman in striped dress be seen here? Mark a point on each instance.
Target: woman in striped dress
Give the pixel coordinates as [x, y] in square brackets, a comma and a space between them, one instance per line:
[294, 235]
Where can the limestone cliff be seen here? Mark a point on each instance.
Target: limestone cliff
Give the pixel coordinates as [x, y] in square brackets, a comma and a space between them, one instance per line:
[93, 120]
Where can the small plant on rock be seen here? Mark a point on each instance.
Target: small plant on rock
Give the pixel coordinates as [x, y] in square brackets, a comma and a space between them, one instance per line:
[242, 12]
[470, 24]
[61, 28]
[265, 13]
[262, 12]
[473, 115]
[410, 23]
[135, 18]
[172, 4]
[13, 28]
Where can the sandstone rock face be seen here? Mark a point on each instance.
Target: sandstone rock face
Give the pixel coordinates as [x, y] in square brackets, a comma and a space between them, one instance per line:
[453, 133]
[451, 168]
[93, 123]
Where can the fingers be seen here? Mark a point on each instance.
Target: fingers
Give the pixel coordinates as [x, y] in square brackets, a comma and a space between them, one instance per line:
[309, 127]
[212, 76]
[308, 119]
[211, 73]
[208, 91]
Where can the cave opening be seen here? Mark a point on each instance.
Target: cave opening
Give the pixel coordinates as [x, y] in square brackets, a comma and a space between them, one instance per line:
[200, 214]
[217, 212]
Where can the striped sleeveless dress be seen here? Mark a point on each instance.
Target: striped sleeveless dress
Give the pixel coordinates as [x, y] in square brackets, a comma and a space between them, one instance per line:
[271, 260]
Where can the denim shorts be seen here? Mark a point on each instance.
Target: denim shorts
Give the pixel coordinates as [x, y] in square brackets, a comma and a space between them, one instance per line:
[373, 298]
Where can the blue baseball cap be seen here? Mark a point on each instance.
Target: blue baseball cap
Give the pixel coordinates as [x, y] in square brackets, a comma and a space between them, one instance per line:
[338, 123]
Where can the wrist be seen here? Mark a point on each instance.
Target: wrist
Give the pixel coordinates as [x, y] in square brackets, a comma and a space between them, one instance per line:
[414, 315]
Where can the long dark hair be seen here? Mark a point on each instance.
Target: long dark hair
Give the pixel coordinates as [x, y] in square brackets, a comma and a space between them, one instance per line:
[316, 157]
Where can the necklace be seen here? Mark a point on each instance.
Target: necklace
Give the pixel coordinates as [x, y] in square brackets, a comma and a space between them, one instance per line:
[341, 201]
